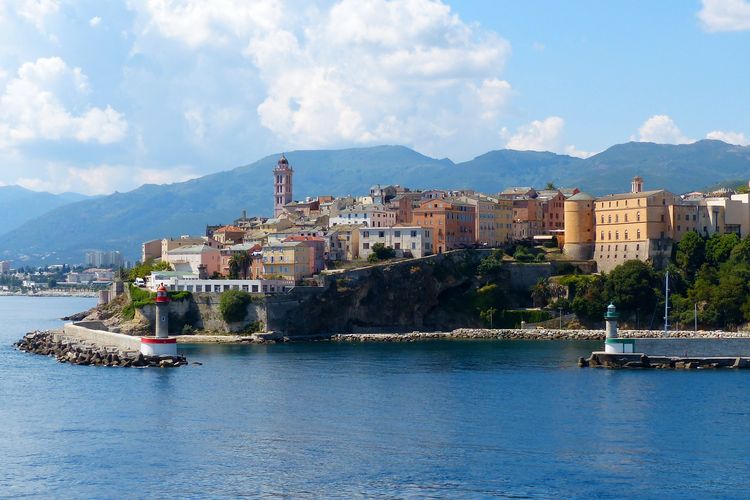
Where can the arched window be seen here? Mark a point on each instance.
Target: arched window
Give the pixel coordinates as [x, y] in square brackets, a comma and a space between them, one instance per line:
[638, 234]
[609, 235]
[638, 216]
[602, 235]
[602, 219]
[626, 217]
[617, 218]
[617, 235]
[626, 234]
[609, 219]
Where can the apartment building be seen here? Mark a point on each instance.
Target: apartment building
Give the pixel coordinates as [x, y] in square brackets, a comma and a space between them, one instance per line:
[407, 241]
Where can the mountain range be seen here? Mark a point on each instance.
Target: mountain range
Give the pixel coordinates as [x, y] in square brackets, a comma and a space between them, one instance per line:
[34, 204]
[122, 221]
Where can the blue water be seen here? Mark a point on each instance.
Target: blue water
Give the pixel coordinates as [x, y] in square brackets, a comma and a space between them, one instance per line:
[438, 419]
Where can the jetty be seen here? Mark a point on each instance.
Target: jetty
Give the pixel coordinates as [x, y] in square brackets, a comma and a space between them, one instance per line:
[667, 352]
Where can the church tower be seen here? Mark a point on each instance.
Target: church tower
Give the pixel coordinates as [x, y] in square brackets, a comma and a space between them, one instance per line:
[282, 185]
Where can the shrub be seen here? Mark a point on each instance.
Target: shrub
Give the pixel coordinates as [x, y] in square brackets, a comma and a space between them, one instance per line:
[233, 305]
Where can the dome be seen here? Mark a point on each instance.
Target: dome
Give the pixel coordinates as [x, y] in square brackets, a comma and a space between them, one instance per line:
[283, 160]
[162, 294]
[581, 196]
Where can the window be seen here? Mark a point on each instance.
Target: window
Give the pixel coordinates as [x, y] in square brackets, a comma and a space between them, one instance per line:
[397, 234]
[609, 235]
[365, 234]
[638, 234]
[662, 217]
[381, 234]
[602, 235]
[626, 217]
[609, 219]
[366, 246]
[617, 236]
[617, 218]
[626, 234]
[397, 246]
[638, 216]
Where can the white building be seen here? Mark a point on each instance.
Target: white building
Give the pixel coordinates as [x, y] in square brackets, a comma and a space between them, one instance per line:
[175, 281]
[407, 241]
[365, 215]
[192, 258]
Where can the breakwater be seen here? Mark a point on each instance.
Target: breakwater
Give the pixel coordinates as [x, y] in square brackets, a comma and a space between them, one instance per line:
[529, 334]
[78, 351]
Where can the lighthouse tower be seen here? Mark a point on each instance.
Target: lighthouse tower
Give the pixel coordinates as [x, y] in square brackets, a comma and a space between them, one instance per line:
[282, 185]
[162, 344]
[613, 344]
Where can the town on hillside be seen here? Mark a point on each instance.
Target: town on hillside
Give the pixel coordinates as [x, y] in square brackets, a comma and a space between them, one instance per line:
[327, 233]
[324, 234]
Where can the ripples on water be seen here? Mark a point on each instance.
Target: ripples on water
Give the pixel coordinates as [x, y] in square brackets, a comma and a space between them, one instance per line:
[435, 419]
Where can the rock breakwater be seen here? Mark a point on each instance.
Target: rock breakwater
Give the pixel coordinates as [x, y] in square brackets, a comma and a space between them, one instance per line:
[77, 352]
[527, 334]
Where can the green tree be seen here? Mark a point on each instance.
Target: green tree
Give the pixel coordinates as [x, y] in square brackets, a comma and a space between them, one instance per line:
[740, 253]
[233, 305]
[382, 252]
[550, 185]
[491, 265]
[632, 287]
[142, 270]
[591, 298]
[691, 253]
[491, 295]
[541, 293]
[488, 314]
[719, 247]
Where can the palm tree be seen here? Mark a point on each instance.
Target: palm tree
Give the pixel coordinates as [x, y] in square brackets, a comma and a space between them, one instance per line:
[239, 265]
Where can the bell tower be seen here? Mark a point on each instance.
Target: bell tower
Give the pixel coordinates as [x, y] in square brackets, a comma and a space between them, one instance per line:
[282, 185]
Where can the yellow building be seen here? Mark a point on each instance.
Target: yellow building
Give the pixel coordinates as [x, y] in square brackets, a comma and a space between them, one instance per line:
[290, 260]
[494, 219]
[640, 225]
[579, 227]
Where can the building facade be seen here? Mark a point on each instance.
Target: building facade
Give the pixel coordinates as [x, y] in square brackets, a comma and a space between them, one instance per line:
[406, 241]
[452, 223]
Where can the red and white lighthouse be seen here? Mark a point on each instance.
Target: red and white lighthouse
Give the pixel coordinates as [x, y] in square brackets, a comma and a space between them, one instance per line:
[162, 344]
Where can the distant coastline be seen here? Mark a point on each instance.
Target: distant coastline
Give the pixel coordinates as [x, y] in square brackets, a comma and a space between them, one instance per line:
[51, 293]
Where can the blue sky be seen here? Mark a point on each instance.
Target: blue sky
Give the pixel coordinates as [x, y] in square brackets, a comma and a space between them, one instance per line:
[103, 96]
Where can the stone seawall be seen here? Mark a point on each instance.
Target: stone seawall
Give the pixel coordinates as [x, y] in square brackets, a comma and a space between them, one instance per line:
[540, 334]
[95, 332]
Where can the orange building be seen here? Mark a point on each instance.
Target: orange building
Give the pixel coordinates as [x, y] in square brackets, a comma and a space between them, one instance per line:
[452, 223]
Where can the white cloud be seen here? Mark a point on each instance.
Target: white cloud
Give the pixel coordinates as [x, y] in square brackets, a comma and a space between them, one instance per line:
[725, 15]
[359, 71]
[542, 135]
[737, 138]
[539, 135]
[95, 21]
[571, 150]
[32, 107]
[219, 22]
[102, 179]
[36, 12]
[661, 129]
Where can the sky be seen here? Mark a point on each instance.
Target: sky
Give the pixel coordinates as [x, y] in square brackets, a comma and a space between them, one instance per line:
[97, 97]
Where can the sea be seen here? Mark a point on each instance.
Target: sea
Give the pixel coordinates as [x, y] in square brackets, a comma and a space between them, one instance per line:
[443, 419]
